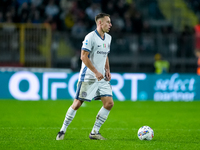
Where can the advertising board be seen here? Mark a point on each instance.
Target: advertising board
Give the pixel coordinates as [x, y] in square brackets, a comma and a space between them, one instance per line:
[27, 85]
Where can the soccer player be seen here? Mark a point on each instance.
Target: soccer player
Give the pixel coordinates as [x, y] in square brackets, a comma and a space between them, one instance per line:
[94, 77]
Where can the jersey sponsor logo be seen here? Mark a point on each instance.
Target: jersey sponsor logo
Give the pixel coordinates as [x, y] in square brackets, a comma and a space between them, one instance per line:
[102, 52]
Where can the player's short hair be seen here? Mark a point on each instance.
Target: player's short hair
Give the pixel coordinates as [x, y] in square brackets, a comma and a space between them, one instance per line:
[101, 15]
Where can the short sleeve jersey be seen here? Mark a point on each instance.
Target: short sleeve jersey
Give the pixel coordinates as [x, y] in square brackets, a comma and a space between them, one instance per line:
[98, 49]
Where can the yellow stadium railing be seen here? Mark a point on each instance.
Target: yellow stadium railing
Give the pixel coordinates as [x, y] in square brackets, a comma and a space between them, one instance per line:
[26, 44]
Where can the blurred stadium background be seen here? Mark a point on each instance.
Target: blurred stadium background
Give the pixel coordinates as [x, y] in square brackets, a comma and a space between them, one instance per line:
[148, 36]
[49, 33]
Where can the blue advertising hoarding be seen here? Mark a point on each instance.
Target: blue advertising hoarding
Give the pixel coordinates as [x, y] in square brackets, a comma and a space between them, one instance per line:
[26, 85]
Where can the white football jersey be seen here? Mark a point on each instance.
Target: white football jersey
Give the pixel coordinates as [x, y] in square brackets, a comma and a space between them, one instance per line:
[99, 49]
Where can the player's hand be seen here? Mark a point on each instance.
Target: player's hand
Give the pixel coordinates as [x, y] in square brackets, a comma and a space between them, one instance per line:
[108, 75]
[99, 76]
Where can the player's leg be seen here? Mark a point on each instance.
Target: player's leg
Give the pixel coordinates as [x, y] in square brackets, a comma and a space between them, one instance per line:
[106, 98]
[85, 92]
[71, 112]
[103, 113]
[108, 102]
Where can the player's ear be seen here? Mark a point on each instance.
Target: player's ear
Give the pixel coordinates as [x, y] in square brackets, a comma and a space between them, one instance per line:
[100, 21]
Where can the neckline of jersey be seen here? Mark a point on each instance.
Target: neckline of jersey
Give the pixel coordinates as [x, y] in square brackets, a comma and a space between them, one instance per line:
[99, 35]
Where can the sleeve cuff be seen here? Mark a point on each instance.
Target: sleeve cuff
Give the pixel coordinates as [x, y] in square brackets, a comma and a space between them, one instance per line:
[85, 49]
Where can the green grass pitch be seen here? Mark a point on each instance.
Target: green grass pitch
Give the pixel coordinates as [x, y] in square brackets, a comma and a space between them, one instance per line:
[34, 125]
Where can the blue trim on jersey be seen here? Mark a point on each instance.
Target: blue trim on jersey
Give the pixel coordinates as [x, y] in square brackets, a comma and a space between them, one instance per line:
[99, 35]
[83, 73]
[99, 97]
[78, 90]
[85, 49]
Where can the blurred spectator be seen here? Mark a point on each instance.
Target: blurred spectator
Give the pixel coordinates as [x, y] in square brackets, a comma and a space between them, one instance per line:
[118, 23]
[93, 10]
[65, 5]
[32, 10]
[51, 9]
[13, 12]
[23, 12]
[9, 18]
[36, 17]
[70, 14]
[161, 65]
[79, 30]
[69, 21]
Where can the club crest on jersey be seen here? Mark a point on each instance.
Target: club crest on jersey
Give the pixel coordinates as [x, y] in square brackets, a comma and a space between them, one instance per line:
[83, 94]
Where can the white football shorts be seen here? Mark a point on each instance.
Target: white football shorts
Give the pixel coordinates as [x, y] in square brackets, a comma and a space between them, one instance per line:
[86, 91]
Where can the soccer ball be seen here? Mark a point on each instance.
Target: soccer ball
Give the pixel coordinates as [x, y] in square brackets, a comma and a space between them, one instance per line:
[145, 133]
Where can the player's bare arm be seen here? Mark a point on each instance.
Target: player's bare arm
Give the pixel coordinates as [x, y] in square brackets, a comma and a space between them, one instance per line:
[107, 68]
[88, 63]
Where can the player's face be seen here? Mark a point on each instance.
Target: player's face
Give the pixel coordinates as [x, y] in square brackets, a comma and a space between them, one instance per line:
[106, 24]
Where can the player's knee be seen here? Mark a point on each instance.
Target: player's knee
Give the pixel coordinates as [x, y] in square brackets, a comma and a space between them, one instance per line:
[76, 104]
[109, 105]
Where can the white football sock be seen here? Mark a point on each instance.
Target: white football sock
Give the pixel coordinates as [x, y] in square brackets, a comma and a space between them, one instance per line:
[100, 119]
[68, 119]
